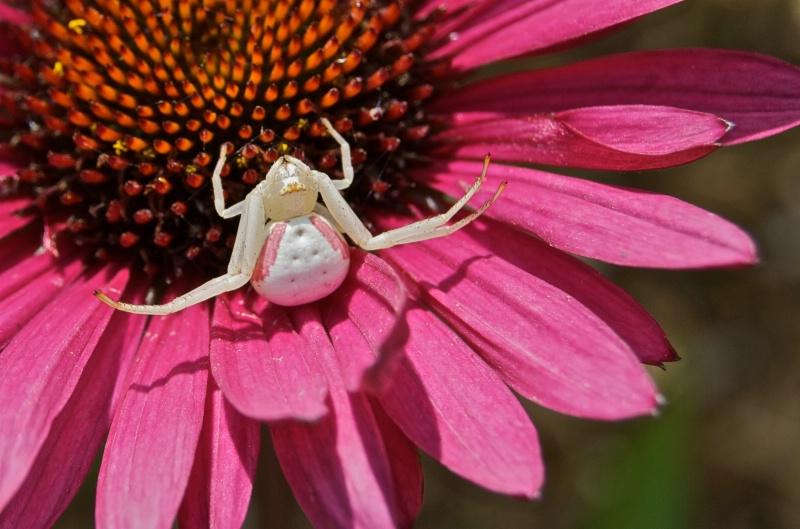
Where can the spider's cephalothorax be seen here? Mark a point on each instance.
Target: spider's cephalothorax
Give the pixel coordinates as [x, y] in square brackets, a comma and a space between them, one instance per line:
[291, 248]
[123, 105]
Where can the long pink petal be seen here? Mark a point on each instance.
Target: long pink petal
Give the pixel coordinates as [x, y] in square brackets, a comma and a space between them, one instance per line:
[151, 446]
[614, 224]
[78, 432]
[757, 94]
[338, 467]
[39, 370]
[34, 266]
[501, 29]
[28, 287]
[545, 344]
[18, 246]
[582, 282]
[625, 138]
[224, 467]
[455, 408]
[10, 218]
[366, 309]
[406, 466]
[424, 8]
[261, 364]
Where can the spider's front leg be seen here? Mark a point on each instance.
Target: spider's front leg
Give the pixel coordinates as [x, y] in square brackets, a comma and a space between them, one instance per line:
[418, 231]
[250, 239]
[219, 195]
[347, 163]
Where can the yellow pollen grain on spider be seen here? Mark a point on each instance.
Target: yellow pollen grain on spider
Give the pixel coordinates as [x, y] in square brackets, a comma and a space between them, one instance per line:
[292, 188]
[241, 162]
[58, 69]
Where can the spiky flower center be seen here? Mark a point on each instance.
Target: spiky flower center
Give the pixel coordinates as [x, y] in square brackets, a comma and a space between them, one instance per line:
[123, 105]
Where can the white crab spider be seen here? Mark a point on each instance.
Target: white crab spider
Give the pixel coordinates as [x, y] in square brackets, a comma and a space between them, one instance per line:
[289, 247]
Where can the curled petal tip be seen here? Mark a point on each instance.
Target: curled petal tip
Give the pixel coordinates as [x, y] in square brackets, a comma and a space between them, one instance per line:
[533, 496]
[661, 401]
[729, 124]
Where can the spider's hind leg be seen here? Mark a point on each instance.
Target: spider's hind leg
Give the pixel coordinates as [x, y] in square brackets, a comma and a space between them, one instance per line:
[250, 237]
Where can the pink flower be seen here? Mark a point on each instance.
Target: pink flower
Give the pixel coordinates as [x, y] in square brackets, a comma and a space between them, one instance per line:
[107, 124]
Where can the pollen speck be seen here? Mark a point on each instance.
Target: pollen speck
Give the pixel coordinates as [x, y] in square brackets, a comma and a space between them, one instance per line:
[119, 147]
[77, 25]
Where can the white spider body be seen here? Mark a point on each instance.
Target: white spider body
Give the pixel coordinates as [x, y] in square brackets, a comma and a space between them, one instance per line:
[290, 247]
[304, 259]
[287, 191]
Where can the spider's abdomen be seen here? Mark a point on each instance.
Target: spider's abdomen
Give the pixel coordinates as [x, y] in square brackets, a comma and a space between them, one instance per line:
[304, 259]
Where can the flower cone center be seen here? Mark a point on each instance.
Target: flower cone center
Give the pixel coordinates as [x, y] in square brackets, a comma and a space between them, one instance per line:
[123, 106]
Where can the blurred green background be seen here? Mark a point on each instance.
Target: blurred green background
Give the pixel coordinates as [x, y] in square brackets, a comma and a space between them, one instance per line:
[725, 451]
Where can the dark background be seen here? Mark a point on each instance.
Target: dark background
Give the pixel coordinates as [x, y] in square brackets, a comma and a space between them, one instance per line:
[725, 451]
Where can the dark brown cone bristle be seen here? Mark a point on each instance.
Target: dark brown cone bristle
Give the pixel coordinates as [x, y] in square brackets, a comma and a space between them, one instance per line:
[124, 105]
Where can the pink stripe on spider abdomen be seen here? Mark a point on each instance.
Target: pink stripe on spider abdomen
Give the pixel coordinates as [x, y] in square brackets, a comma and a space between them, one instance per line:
[269, 252]
[331, 235]
[304, 259]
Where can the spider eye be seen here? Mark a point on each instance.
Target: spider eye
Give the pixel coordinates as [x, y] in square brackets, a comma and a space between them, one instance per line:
[292, 187]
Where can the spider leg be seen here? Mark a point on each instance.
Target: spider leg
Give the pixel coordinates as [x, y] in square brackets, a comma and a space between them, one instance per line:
[219, 196]
[340, 210]
[250, 239]
[215, 287]
[347, 164]
[436, 226]
[418, 231]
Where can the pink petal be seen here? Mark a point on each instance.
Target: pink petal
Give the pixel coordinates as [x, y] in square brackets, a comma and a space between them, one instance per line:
[583, 283]
[366, 309]
[40, 368]
[501, 29]
[224, 467]
[20, 245]
[547, 345]
[424, 8]
[13, 15]
[455, 408]
[151, 446]
[78, 432]
[338, 467]
[614, 224]
[261, 364]
[29, 286]
[629, 138]
[406, 467]
[10, 218]
[758, 94]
